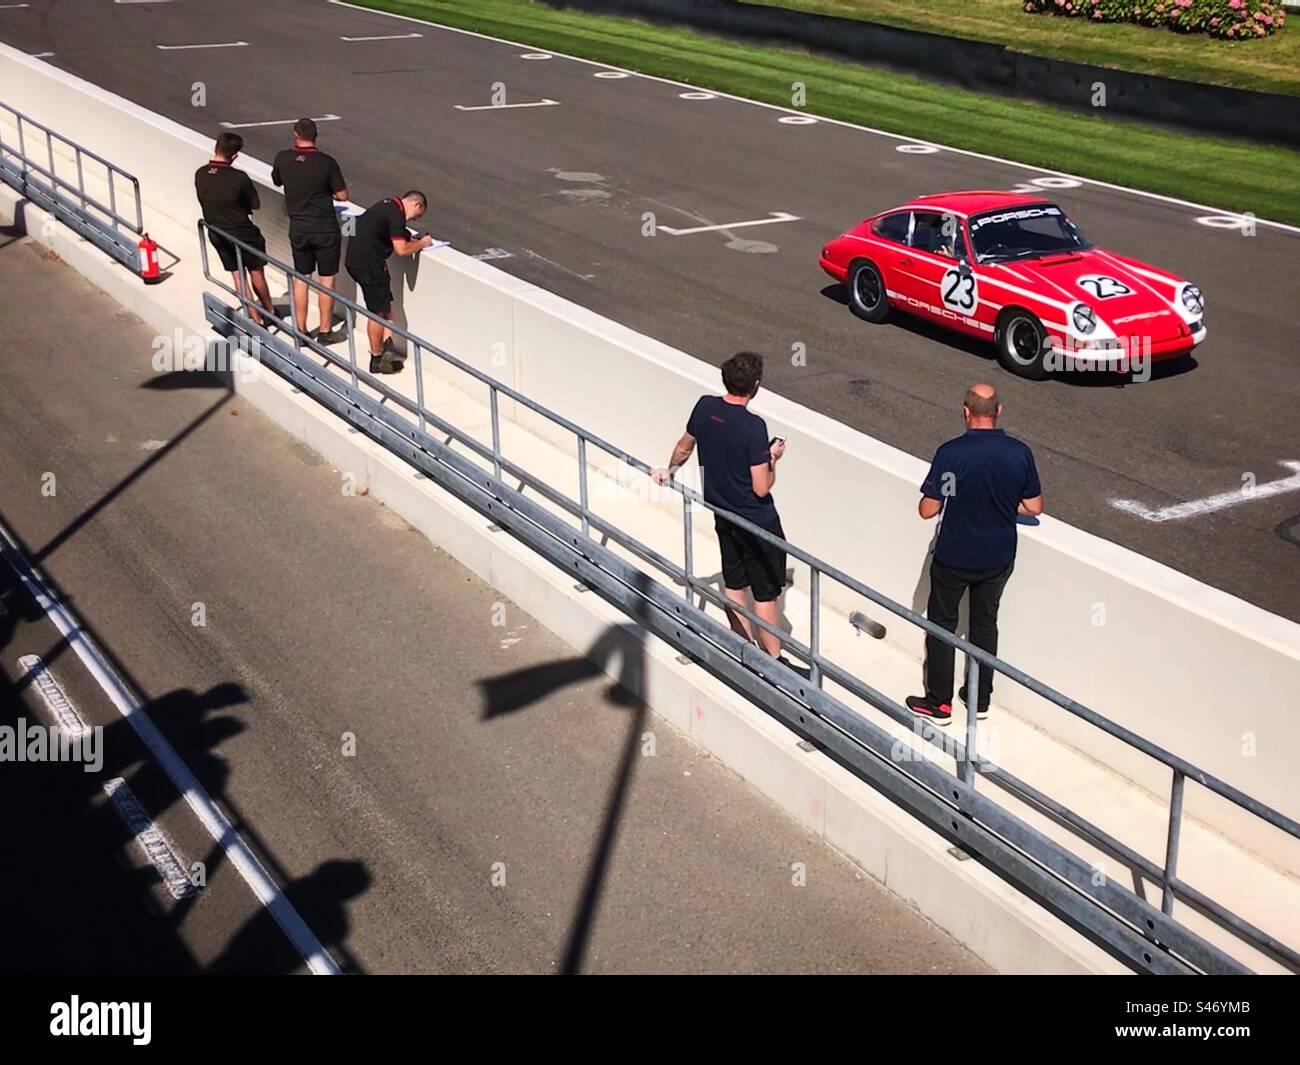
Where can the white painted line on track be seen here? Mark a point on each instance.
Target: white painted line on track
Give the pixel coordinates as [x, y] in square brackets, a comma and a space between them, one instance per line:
[56, 701]
[196, 797]
[505, 107]
[276, 122]
[188, 47]
[777, 216]
[611, 74]
[389, 37]
[42, 55]
[536, 55]
[698, 95]
[1208, 505]
[12, 7]
[917, 149]
[1285, 227]
[157, 847]
[1243, 222]
[798, 120]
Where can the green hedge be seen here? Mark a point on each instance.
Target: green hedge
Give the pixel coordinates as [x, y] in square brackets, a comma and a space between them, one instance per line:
[1234, 20]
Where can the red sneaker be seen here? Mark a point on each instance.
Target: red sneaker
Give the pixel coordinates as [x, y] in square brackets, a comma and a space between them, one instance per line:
[925, 706]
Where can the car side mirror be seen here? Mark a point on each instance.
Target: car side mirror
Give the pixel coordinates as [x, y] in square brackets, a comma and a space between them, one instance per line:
[963, 267]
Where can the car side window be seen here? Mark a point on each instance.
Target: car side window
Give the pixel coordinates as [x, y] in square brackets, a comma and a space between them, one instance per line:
[939, 234]
[893, 227]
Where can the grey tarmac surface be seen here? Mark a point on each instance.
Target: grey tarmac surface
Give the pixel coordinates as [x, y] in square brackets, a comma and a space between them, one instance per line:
[564, 190]
[325, 614]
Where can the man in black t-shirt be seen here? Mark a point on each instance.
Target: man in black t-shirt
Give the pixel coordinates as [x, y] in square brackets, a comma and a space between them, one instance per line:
[228, 199]
[979, 481]
[380, 232]
[738, 469]
[312, 183]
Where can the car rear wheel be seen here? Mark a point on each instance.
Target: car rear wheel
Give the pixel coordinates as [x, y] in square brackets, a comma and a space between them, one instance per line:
[866, 288]
[1022, 345]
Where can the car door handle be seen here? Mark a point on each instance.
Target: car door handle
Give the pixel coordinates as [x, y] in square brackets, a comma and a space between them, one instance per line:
[905, 261]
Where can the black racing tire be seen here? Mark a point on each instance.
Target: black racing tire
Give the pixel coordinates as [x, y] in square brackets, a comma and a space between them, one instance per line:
[866, 291]
[1022, 345]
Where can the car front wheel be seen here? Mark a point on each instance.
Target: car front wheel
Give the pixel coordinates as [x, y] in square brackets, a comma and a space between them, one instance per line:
[867, 297]
[1023, 345]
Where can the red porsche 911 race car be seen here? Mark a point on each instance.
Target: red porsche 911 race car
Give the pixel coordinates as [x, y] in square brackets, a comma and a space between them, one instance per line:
[1015, 270]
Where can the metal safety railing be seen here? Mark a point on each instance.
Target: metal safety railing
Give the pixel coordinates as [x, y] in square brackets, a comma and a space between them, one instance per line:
[30, 158]
[1117, 917]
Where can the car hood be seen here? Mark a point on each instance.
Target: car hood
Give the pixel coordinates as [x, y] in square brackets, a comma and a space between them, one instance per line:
[1123, 294]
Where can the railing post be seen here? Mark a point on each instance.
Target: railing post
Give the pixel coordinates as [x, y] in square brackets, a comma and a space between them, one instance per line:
[293, 314]
[203, 254]
[240, 282]
[22, 147]
[419, 387]
[1171, 844]
[81, 180]
[689, 560]
[582, 484]
[112, 197]
[972, 716]
[49, 150]
[350, 318]
[815, 626]
[496, 432]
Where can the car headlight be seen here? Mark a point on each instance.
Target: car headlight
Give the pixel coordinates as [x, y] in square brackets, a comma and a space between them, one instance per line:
[1085, 319]
[1193, 300]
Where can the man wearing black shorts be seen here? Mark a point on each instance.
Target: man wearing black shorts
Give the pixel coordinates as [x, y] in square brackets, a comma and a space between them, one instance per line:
[738, 466]
[228, 199]
[312, 183]
[380, 232]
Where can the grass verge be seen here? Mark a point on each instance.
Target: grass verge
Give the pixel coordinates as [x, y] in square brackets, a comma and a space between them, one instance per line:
[1271, 64]
[1237, 175]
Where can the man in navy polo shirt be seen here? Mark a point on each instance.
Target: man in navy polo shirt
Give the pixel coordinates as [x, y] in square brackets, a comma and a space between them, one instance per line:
[979, 481]
[738, 469]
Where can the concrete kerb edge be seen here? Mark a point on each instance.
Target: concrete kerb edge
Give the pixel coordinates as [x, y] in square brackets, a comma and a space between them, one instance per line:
[1010, 932]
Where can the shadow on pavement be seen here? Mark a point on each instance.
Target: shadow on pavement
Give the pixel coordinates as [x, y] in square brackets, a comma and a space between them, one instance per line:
[71, 902]
[511, 692]
[319, 897]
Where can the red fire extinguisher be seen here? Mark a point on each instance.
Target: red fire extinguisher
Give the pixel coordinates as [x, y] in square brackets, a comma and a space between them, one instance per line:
[149, 270]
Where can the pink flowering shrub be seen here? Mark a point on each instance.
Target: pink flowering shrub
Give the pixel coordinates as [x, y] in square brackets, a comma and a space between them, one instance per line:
[1234, 20]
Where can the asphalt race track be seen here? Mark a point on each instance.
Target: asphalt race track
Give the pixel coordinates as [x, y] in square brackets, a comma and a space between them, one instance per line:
[499, 809]
[564, 188]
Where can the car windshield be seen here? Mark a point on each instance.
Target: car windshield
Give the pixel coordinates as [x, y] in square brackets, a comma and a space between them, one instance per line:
[1024, 233]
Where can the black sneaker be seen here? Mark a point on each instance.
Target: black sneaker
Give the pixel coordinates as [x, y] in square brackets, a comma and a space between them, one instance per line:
[376, 363]
[803, 671]
[924, 706]
[981, 713]
[336, 336]
[391, 362]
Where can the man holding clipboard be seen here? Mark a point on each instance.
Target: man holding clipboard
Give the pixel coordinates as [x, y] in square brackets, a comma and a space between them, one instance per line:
[381, 231]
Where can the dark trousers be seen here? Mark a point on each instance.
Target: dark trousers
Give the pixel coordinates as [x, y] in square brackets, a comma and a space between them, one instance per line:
[947, 586]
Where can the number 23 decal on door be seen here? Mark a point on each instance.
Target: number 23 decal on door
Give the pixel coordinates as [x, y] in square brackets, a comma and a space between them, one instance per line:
[1103, 287]
[960, 291]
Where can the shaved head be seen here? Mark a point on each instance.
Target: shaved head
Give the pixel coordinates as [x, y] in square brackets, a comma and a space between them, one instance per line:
[982, 401]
